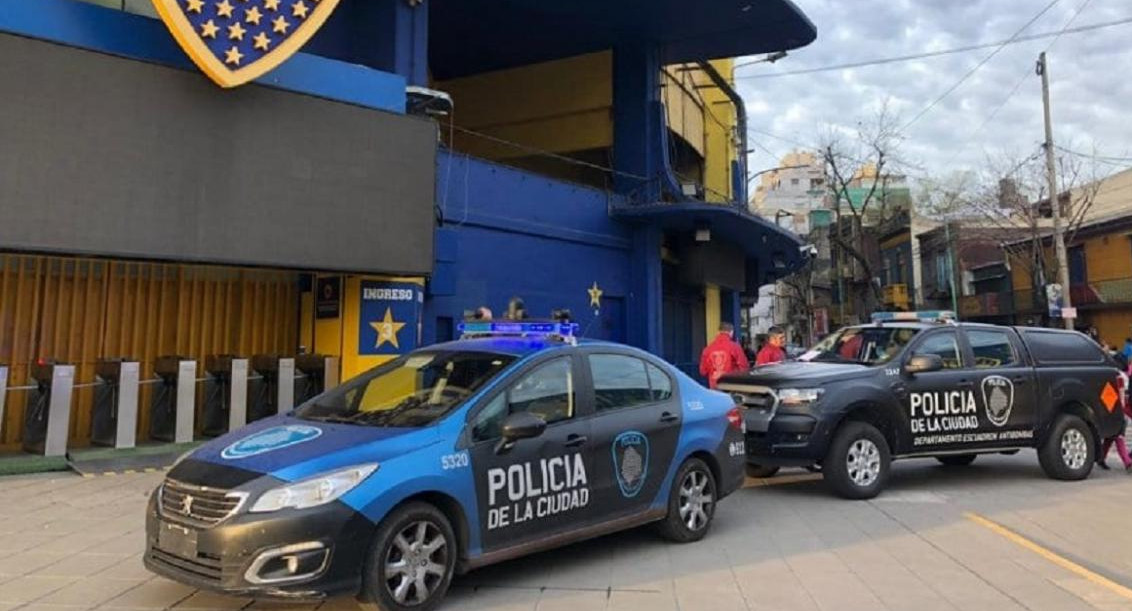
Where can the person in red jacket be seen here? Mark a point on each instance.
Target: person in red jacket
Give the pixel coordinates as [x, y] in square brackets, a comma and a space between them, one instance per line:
[773, 351]
[722, 356]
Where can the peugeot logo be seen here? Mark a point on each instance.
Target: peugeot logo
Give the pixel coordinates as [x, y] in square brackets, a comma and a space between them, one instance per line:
[187, 504]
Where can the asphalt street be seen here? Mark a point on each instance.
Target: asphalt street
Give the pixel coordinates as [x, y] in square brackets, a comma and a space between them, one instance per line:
[995, 535]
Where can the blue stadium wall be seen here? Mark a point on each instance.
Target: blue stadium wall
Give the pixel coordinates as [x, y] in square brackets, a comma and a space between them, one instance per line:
[503, 233]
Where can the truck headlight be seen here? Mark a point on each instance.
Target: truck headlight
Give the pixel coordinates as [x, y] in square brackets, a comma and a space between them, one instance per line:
[799, 396]
[314, 491]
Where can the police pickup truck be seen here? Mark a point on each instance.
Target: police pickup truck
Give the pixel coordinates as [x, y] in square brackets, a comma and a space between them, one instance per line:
[918, 384]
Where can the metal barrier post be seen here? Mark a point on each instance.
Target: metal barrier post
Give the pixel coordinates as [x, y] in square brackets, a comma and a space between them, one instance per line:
[238, 401]
[186, 401]
[127, 431]
[330, 373]
[59, 410]
[285, 387]
[3, 391]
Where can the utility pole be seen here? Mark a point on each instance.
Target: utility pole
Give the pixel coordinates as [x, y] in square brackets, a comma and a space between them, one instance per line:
[1054, 196]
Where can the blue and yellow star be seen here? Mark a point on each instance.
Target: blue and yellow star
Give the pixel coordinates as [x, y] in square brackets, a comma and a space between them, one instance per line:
[387, 329]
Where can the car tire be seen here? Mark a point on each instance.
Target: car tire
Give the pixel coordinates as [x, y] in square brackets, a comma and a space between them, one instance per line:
[691, 503]
[858, 463]
[1070, 450]
[760, 471]
[956, 460]
[396, 572]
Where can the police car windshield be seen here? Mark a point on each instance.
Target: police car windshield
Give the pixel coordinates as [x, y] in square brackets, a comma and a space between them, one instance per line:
[863, 345]
[413, 391]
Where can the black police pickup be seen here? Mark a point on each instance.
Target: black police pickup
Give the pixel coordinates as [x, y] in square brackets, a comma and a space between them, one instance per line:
[921, 385]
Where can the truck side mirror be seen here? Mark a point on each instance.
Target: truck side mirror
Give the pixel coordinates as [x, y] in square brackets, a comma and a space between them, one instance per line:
[520, 425]
[923, 363]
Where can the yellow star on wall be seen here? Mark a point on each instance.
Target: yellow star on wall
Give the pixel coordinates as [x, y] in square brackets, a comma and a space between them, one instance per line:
[271, 5]
[236, 32]
[233, 56]
[387, 329]
[298, 9]
[595, 295]
[252, 15]
[208, 29]
[224, 9]
[280, 25]
[261, 41]
[194, 6]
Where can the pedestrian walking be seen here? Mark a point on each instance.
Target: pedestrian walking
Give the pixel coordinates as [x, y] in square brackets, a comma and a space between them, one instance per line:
[1118, 439]
[774, 351]
[722, 356]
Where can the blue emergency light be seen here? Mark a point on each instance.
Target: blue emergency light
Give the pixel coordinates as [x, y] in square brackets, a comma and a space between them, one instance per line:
[564, 330]
[922, 316]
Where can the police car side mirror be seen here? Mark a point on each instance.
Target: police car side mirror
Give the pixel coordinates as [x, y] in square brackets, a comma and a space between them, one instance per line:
[520, 425]
[923, 363]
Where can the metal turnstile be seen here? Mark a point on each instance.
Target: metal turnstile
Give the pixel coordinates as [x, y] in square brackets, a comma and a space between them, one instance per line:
[225, 394]
[47, 413]
[263, 385]
[316, 374]
[114, 415]
[172, 406]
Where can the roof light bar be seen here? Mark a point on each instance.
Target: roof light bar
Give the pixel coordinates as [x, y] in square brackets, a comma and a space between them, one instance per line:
[562, 330]
[922, 316]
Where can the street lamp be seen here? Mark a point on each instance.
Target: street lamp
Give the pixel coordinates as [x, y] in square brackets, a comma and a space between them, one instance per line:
[769, 59]
[752, 177]
[781, 213]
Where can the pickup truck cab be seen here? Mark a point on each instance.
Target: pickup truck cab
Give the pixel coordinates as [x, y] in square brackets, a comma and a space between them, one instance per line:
[921, 385]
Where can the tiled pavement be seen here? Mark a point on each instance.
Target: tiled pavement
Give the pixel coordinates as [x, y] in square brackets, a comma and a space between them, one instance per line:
[71, 544]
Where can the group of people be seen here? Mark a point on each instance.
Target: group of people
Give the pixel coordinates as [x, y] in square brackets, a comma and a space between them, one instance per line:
[724, 355]
[1123, 360]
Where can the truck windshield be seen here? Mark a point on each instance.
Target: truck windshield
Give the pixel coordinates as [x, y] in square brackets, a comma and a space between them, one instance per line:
[412, 391]
[864, 345]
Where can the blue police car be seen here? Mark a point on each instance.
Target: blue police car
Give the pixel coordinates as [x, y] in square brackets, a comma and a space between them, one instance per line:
[513, 440]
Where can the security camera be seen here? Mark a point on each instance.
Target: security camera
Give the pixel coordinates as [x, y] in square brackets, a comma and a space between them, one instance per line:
[808, 250]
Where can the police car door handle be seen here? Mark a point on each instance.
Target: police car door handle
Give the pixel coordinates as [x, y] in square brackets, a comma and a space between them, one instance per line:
[669, 417]
[574, 441]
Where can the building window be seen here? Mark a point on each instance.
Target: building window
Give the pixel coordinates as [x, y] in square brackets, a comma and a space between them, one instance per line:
[794, 182]
[942, 282]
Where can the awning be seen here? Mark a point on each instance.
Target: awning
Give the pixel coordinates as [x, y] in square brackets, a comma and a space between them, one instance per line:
[509, 33]
[776, 251]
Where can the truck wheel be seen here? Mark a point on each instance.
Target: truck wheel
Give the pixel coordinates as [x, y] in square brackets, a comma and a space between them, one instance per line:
[858, 462]
[691, 503]
[411, 562]
[759, 471]
[956, 460]
[1068, 453]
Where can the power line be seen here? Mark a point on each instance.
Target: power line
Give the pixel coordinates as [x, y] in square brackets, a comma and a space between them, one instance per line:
[1014, 90]
[931, 54]
[546, 153]
[1102, 158]
[979, 65]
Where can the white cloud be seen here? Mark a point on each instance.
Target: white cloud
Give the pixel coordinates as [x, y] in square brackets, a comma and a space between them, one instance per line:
[1090, 88]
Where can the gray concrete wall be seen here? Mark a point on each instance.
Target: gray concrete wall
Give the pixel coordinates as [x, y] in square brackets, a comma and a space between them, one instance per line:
[109, 156]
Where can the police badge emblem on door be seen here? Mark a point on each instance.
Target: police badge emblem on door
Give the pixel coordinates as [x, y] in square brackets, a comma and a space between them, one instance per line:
[998, 399]
[631, 462]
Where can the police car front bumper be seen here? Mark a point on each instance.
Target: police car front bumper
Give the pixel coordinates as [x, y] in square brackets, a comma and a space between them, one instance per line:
[790, 440]
[294, 554]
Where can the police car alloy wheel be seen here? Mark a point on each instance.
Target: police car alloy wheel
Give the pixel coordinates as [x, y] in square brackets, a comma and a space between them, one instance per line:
[412, 560]
[1069, 451]
[691, 503]
[858, 462]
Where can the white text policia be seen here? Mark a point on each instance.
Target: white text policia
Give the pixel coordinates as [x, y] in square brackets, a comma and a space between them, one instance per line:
[552, 486]
[951, 410]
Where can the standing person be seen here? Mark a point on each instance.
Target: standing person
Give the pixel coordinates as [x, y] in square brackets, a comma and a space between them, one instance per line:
[1128, 349]
[722, 356]
[773, 351]
[1118, 441]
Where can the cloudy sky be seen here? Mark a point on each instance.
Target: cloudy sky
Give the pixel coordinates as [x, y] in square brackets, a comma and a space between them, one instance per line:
[1091, 76]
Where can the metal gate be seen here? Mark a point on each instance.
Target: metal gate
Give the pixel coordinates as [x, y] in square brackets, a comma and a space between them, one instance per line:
[80, 310]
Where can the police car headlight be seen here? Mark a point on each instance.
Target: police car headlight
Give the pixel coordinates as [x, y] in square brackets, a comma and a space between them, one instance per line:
[314, 491]
[798, 396]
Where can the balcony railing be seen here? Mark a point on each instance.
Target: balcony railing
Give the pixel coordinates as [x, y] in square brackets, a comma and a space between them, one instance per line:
[987, 304]
[1087, 295]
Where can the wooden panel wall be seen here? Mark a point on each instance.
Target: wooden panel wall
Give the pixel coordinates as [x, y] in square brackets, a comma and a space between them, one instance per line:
[80, 310]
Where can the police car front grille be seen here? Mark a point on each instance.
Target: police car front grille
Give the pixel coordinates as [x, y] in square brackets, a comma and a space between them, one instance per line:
[197, 505]
[204, 566]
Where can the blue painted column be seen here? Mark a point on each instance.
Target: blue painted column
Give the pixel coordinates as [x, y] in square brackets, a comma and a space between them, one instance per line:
[636, 89]
[389, 35]
[636, 93]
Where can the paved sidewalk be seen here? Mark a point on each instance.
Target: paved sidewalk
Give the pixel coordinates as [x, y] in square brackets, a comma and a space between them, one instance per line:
[69, 543]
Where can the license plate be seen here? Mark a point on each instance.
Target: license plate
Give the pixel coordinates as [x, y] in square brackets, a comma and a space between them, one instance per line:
[177, 540]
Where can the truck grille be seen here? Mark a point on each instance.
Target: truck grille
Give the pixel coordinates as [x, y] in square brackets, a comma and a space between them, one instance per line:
[197, 505]
[751, 397]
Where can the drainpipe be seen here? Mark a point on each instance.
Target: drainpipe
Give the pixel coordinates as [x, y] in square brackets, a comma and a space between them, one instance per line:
[739, 186]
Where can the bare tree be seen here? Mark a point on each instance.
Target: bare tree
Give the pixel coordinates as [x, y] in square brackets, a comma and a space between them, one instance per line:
[871, 149]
